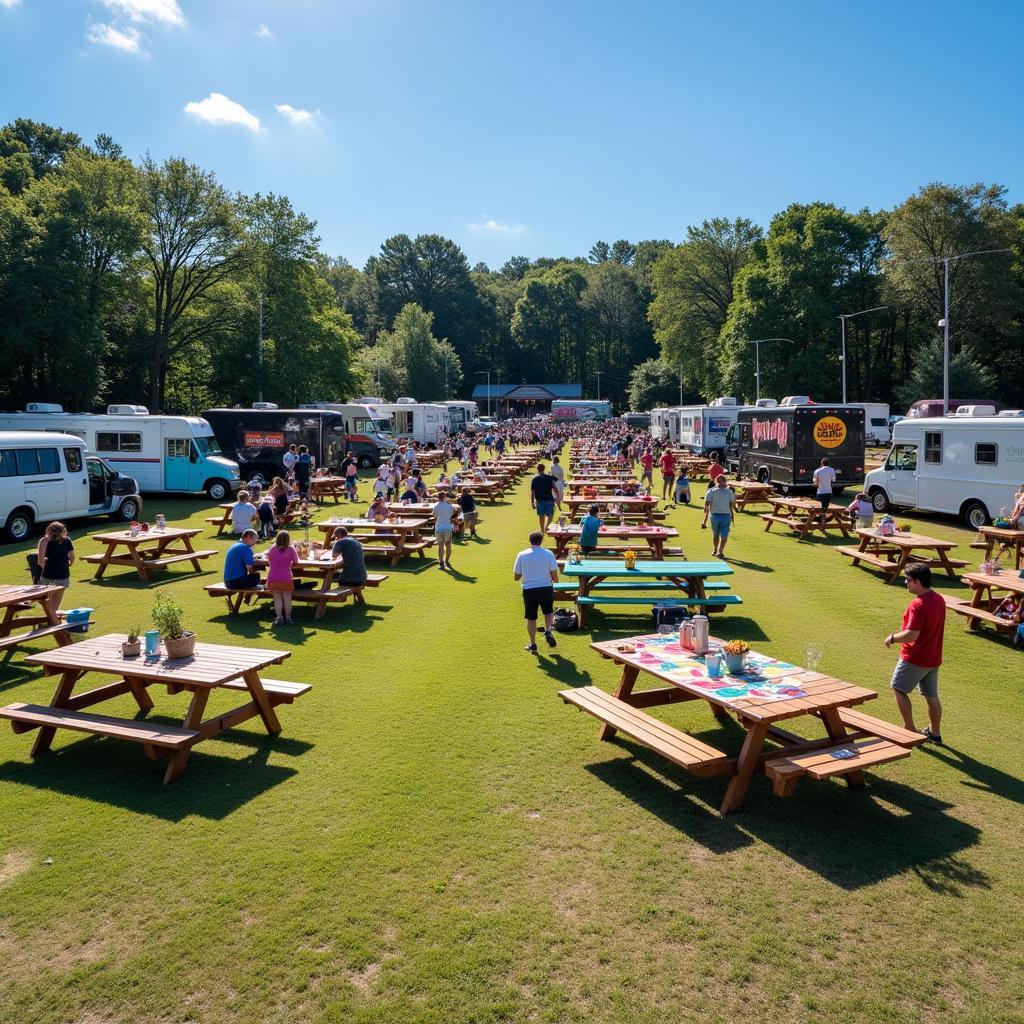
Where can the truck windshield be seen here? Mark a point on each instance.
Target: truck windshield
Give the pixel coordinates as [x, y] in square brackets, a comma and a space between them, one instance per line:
[207, 445]
[372, 427]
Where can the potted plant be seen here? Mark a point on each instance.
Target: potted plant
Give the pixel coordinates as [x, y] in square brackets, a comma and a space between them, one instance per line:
[167, 616]
[735, 652]
[132, 647]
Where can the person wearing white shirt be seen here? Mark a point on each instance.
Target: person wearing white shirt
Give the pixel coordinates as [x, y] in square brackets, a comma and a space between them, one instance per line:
[559, 474]
[537, 570]
[443, 512]
[824, 478]
[243, 512]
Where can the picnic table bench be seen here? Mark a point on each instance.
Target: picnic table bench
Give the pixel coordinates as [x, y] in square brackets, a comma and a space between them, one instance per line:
[328, 593]
[989, 589]
[892, 553]
[752, 492]
[654, 538]
[393, 539]
[321, 487]
[17, 604]
[223, 521]
[803, 515]
[1007, 540]
[149, 550]
[212, 666]
[853, 741]
[642, 509]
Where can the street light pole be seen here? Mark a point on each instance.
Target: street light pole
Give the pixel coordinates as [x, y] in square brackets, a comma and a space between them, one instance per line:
[842, 319]
[680, 383]
[598, 385]
[260, 303]
[757, 343]
[945, 340]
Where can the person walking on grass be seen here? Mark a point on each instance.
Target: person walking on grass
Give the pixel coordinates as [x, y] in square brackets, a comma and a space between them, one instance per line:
[281, 557]
[924, 623]
[720, 504]
[56, 555]
[469, 511]
[443, 512]
[543, 496]
[537, 570]
[667, 462]
[824, 478]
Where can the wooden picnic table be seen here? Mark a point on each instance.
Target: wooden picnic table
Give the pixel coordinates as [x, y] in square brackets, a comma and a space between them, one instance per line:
[654, 536]
[892, 553]
[989, 589]
[752, 492]
[1006, 539]
[424, 510]
[327, 487]
[633, 508]
[153, 549]
[608, 485]
[853, 741]
[803, 515]
[678, 580]
[17, 603]
[212, 666]
[223, 521]
[484, 490]
[393, 539]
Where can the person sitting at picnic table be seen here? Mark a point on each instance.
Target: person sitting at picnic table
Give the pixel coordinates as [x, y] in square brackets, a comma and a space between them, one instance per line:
[443, 480]
[681, 494]
[720, 504]
[278, 492]
[243, 512]
[239, 563]
[409, 496]
[589, 529]
[1009, 609]
[265, 511]
[56, 555]
[862, 510]
[378, 510]
[467, 503]
[353, 564]
[1017, 515]
[281, 557]
[419, 485]
[443, 512]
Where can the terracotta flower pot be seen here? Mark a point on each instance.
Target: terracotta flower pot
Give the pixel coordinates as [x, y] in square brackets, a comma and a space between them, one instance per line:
[129, 650]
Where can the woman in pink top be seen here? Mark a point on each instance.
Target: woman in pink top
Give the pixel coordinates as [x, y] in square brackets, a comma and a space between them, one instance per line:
[282, 556]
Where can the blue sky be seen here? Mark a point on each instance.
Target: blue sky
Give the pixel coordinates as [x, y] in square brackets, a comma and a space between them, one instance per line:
[534, 128]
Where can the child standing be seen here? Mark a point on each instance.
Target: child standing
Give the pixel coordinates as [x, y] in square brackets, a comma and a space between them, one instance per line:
[281, 557]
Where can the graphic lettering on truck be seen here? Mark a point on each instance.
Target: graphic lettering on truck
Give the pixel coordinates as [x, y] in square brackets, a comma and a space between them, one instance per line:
[829, 432]
[262, 439]
[776, 430]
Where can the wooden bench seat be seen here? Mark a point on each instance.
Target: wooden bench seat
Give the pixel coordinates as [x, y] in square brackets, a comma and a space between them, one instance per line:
[820, 764]
[34, 634]
[793, 524]
[235, 596]
[678, 747]
[151, 563]
[876, 727]
[868, 559]
[719, 599]
[567, 587]
[278, 690]
[25, 717]
[962, 607]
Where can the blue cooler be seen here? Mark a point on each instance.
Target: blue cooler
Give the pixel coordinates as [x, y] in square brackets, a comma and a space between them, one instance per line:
[78, 619]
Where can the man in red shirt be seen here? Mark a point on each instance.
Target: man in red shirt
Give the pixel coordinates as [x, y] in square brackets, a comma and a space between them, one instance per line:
[921, 650]
[647, 463]
[667, 462]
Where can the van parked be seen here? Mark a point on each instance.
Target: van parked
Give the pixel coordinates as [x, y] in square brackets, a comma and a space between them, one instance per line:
[46, 476]
[969, 466]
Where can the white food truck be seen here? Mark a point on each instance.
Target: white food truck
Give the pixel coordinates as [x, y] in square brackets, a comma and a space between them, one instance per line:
[421, 422]
[164, 453]
[47, 475]
[701, 429]
[968, 464]
[461, 414]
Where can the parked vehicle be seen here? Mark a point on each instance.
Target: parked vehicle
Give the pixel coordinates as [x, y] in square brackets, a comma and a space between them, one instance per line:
[258, 438]
[421, 422]
[579, 409]
[461, 414]
[877, 431]
[965, 465]
[637, 420]
[47, 475]
[785, 445]
[369, 436]
[665, 425]
[702, 429]
[928, 407]
[164, 453]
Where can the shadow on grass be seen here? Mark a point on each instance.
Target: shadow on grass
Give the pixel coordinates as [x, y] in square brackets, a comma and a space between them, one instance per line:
[256, 624]
[851, 837]
[752, 566]
[982, 776]
[105, 771]
[562, 669]
[129, 579]
[460, 577]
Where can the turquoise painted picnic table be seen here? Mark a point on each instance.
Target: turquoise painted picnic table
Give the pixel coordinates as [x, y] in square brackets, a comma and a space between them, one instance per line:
[682, 580]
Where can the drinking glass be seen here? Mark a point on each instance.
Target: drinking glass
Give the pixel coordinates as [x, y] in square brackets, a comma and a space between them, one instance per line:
[813, 657]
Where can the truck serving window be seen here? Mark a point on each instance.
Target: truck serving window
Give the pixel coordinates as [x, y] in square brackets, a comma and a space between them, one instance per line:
[986, 453]
[110, 441]
[933, 446]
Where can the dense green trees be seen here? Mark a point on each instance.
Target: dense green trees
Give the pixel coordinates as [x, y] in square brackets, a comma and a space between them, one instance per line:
[145, 282]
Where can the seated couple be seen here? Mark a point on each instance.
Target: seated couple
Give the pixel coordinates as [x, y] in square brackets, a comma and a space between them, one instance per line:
[240, 562]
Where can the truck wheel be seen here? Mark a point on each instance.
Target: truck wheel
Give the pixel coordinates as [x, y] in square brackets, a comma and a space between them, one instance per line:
[19, 525]
[975, 515]
[218, 490]
[879, 500]
[128, 511]
[365, 462]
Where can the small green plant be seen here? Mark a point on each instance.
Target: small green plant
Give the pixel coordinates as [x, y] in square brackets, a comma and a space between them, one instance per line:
[134, 632]
[167, 616]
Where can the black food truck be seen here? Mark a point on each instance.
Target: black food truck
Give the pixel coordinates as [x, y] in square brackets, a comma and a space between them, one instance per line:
[785, 445]
[258, 438]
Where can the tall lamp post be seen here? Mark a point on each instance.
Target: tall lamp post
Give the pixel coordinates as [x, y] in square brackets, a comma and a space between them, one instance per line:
[598, 375]
[842, 319]
[260, 303]
[757, 343]
[480, 373]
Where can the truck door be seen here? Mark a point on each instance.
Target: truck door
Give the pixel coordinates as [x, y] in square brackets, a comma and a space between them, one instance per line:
[901, 475]
[44, 480]
[77, 481]
[99, 485]
[176, 463]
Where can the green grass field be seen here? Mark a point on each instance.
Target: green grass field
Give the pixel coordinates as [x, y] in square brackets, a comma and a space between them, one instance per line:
[436, 837]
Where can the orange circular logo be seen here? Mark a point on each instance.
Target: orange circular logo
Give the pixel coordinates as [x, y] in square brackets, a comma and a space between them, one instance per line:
[830, 432]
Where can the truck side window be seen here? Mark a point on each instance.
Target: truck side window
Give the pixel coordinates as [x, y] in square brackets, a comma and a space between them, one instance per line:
[903, 458]
[8, 467]
[933, 446]
[986, 453]
[73, 460]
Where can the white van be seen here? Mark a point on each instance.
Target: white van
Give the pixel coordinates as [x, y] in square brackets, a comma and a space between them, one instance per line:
[422, 422]
[46, 476]
[877, 431]
[164, 453]
[969, 466]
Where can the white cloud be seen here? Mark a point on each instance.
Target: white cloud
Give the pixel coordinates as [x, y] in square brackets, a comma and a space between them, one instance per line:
[496, 227]
[296, 114]
[9, 3]
[263, 31]
[166, 11]
[218, 109]
[127, 39]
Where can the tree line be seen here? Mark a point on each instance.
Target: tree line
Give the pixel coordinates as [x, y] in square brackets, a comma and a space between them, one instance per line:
[145, 281]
